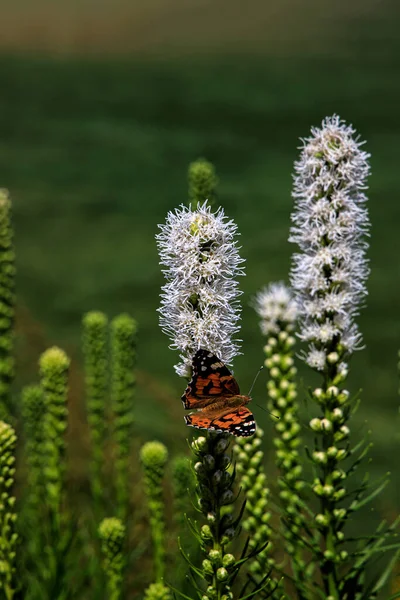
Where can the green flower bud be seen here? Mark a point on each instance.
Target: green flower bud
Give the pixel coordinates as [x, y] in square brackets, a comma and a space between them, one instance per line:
[209, 462]
[206, 532]
[228, 561]
[158, 591]
[222, 574]
[207, 567]
[227, 497]
[215, 556]
[154, 455]
[200, 445]
[329, 555]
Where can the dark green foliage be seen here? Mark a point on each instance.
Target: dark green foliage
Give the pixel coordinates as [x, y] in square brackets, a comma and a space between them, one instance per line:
[100, 148]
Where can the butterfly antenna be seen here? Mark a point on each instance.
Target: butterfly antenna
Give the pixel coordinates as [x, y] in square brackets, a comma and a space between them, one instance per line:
[255, 379]
[267, 411]
[251, 389]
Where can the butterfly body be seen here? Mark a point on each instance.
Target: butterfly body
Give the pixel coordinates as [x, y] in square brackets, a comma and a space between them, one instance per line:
[214, 394]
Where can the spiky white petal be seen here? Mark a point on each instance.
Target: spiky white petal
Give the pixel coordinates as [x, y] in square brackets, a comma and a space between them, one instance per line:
[199, 302]
[330, 223]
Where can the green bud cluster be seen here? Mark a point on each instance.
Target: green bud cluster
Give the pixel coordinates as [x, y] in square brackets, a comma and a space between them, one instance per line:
[154, 457]
[215, 492]
[33, 413]
[53, 367]
[112, 535]
[8, 537]
[95, 351]
[123, 361]
[158, 591]
[283, 404]
[202, 181]
[253, 480]
[7, 304]
[331, 448]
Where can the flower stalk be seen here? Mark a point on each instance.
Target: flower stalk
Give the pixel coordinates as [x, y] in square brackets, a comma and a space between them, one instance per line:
[253, 480]
[95, 351]
[154, 457]
[214, 490]
[112, 535]
[330, 223]
[200, 309]
[7, 304]
[33, 413]
[123, 380]
[53, 367]
[8, 535]
[278, 314]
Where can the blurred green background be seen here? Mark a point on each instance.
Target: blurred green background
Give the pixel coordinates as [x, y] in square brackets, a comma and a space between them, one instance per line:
[102, 107]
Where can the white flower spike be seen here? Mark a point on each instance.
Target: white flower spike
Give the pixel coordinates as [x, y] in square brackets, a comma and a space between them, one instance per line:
[199, 302]
[330, 223]
[276, 307]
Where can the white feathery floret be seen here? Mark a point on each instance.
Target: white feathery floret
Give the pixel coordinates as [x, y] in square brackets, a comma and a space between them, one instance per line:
[330, 223]
[199, 302]
[276, 307]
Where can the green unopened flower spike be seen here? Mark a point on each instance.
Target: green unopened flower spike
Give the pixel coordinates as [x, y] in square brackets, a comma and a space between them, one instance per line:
[154, 457]
[8, 536]
[7, 304]
[53, 367]
[123, 379]
[253, 480]
[33, 413]
[112, 535]
[215, 494]
[95, 350]
[278, 312]
[202, 182]
[158, 591]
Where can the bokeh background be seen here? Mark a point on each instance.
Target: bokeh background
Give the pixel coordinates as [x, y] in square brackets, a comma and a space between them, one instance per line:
[102, 106]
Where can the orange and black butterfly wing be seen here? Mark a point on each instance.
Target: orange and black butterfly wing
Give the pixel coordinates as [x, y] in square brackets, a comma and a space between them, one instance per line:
[239, 422]
[210, 378]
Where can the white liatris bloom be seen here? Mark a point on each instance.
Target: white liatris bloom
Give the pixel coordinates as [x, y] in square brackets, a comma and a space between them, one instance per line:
[276, 307]
[199, 302]
[330, 222]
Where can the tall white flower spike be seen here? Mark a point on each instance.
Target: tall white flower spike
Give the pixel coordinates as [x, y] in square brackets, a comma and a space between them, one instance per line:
[200, 301]
[330, 223]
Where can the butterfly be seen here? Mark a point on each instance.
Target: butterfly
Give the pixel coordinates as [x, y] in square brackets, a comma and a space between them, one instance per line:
[215, 393]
